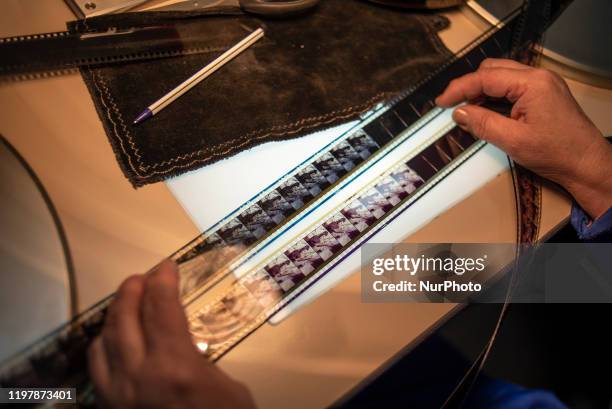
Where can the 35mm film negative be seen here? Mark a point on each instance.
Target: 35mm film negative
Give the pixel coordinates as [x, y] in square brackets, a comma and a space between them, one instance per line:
[50, 54]
[247, 302]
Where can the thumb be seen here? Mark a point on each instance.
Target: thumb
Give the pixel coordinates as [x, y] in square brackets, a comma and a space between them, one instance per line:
[488, 125]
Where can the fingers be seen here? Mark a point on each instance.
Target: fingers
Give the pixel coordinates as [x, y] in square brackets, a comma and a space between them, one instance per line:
[98, 366]
[490, 126]
[503, 63]
[122, 336]
[163, 316]
[508, 83]
[498, 78]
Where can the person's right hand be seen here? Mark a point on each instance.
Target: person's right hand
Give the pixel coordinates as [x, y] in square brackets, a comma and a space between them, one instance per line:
[547, 131]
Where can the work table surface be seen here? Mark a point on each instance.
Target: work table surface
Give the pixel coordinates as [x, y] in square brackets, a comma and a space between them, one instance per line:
[114, 230]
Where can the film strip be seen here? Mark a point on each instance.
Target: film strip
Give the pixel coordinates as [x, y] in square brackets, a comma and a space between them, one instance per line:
[249, 227]
[249, 301]
[50, 54]
[207, 263]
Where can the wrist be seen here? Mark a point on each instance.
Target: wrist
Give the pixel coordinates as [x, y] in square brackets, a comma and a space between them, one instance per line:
[591, 182]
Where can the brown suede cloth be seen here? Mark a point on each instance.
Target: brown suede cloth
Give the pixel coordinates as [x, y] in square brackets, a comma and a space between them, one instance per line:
[306, 74]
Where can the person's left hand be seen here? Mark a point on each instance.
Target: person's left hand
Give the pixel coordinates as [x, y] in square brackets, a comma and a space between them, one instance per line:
[145, 357]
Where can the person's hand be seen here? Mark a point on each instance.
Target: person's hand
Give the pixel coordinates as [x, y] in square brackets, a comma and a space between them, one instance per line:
[547, 131]
[145, 358]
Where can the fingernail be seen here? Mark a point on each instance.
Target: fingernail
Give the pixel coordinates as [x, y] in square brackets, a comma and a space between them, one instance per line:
[461, 117]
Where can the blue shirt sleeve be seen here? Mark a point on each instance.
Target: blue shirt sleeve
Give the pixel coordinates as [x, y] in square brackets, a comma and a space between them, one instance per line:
[498, 394]
[594, 231]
